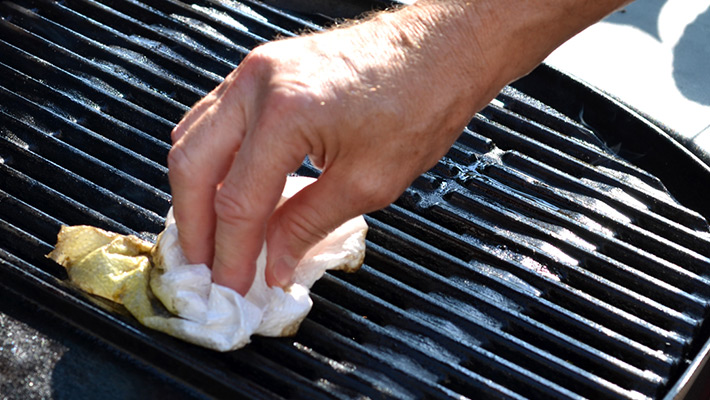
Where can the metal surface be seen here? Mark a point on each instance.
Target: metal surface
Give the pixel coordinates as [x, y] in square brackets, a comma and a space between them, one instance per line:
[631, 135]
[531, 262]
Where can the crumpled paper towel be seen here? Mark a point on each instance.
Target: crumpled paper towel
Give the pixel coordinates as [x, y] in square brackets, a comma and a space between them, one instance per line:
[180, 299]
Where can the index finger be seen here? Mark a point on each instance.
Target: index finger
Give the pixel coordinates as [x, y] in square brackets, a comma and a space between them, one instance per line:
[246, 200]
[197, 162]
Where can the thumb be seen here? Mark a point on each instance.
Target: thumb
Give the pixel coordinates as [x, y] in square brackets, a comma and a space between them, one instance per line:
[305, 219]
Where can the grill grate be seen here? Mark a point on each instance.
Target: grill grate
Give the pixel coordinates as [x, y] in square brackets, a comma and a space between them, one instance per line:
[530, 262]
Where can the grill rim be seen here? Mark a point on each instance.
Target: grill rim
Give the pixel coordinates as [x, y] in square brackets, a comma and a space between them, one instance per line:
[693, 383]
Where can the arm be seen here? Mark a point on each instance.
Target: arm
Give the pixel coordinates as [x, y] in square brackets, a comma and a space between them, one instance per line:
[373, 104]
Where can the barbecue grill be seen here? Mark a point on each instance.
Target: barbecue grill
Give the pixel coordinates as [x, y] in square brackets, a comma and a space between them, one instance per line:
[559, 250]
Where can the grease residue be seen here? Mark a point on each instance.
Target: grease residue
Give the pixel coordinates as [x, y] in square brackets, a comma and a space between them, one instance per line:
[204, 28]
[505, 276]
[243, 9]
[425, 344]
[220, 16]
[487, 293]
[467, 309]
[454, 331]
[530, 263]
[404, 363]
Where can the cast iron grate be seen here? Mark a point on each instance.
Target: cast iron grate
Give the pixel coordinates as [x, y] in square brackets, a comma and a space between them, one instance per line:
[531, 262]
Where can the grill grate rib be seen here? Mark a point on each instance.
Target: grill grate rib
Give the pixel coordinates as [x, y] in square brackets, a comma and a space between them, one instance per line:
[530, 262]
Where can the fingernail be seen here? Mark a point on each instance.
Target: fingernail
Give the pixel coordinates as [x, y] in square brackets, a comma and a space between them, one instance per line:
[282, 272]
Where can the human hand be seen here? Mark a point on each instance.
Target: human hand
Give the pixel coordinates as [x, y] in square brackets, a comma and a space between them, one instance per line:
[373, 105]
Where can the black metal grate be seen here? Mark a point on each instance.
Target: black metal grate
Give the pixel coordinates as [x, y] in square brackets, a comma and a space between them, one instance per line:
[531, 262]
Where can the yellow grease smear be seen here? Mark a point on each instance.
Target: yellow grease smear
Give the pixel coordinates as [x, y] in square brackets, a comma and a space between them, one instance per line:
[115, 267]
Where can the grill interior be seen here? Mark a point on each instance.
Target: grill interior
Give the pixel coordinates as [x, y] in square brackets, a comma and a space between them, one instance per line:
[531, 262]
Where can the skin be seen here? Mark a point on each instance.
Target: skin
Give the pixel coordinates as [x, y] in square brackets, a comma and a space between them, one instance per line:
[373, 104]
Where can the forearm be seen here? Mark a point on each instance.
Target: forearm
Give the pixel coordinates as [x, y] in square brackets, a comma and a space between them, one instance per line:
[477, 46]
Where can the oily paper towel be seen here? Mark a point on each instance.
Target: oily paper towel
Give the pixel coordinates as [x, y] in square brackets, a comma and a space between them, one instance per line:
[163, 291]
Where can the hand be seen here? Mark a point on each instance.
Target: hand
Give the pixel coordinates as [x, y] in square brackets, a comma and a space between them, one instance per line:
[373, 105]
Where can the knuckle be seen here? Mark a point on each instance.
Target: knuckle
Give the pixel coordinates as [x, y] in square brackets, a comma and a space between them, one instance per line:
[374, 193]
[229, 209]
[177, 132]
[289, 100]
[259, 62]
[258, 54]
[179, 163]
[283, 101]
[288, 111]
[290, 97]
[303, 227]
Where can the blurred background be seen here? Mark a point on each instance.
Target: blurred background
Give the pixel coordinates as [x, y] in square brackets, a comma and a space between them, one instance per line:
[653, 55]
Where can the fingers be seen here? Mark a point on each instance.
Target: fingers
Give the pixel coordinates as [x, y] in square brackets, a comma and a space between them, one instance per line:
[244, 202]
[198, 161]
[305, 219]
